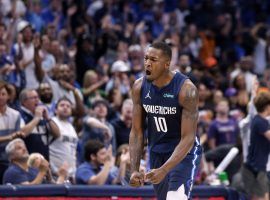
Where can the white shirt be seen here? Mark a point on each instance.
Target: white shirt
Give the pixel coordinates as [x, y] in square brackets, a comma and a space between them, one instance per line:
[28, 55]
[63, 149]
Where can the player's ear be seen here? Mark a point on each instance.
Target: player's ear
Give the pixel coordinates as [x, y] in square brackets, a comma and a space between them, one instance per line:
[167, 64]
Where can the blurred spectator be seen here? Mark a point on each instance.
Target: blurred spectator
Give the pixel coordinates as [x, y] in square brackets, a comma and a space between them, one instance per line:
[33, 14]
[19, 172]
[57, 50]
[48, 60]
[245, 67]
[116, 99]
[135, 54]
[92, 84]
[7, 66]
[244, 126]
[25, 48]
[63, 149]
[254, 170]
[204, 98]
[10, 122]
[223, 129]
[96, 126]
[119, 79]
[53, 14]
[192, 41]
[185, 67]
[122, 125]
[260, 57]
[36, 159]
[46, 97]
[122, 161]
[242, 96]
[38, 126]
[208, 44]
[91, 171]
[13, 100]
[62, 86]
[85, 57]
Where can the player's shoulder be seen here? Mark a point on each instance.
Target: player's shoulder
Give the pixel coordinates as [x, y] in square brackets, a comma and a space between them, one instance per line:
[188, 92]
[136, 90]
[189, 85]
[137, 84]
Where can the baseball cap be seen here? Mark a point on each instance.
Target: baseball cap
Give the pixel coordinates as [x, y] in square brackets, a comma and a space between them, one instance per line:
[22, 25]
[119, 66]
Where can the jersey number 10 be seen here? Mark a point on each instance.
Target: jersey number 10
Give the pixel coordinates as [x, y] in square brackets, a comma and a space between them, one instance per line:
[161, 124]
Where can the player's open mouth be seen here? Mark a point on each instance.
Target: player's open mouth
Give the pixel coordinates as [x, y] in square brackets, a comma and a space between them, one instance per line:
[147, 72]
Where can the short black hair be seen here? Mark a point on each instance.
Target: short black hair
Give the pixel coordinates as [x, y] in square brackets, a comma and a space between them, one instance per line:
[165, 48]
[92, 147]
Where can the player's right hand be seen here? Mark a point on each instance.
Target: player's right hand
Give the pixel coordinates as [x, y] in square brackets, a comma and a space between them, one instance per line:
[136, 179]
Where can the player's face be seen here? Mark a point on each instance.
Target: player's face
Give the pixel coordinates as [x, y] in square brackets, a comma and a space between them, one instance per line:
[155, 63]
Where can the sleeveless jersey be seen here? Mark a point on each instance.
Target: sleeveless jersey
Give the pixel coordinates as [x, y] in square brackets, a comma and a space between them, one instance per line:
[163, 113]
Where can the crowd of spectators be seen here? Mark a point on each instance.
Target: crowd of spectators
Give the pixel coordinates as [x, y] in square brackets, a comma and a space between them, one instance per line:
[67, 68]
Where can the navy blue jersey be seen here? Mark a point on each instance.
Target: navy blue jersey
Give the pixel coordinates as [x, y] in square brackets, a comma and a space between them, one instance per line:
[259, 147]
[163, 113]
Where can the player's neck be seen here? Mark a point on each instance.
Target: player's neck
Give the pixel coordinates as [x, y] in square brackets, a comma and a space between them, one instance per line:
[164, 79]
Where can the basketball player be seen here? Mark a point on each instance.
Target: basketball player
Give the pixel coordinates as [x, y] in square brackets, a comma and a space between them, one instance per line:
[169, 102]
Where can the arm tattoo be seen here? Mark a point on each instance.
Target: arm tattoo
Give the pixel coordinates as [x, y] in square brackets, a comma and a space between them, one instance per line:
[190, 102]
[191, 115]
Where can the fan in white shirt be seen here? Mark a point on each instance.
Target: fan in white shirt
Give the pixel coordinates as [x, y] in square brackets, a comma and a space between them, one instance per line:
[63, 149]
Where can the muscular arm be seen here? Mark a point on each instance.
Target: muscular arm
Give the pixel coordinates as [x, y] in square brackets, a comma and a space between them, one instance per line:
[188, 98]
[136, 137]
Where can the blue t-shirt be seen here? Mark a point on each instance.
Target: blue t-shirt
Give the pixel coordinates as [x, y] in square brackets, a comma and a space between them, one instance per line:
[86, 170]
[259, 147]
[163, 113]
[16, 175]
[224, 132]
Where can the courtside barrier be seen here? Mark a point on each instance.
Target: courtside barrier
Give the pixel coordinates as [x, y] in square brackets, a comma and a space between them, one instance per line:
[67, 191]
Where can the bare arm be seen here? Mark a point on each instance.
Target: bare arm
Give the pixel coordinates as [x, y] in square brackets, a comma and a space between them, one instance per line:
[212, 143]
[95, 123]
[54, 129]
[87, 91]
[136, 138]
[37, 180]
[188, 98]
[43, 168]
[7, 138]
[39, 72]
[28, 128]
[102, 176]
[267, 135]
[79, 107]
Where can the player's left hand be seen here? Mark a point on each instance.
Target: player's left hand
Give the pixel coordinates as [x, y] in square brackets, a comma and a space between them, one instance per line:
[155, 176]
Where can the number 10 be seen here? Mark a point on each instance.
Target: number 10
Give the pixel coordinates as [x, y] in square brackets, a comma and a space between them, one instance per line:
[161, 124]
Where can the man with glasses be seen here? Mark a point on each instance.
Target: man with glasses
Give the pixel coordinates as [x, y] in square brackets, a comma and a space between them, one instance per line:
[38, 127]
